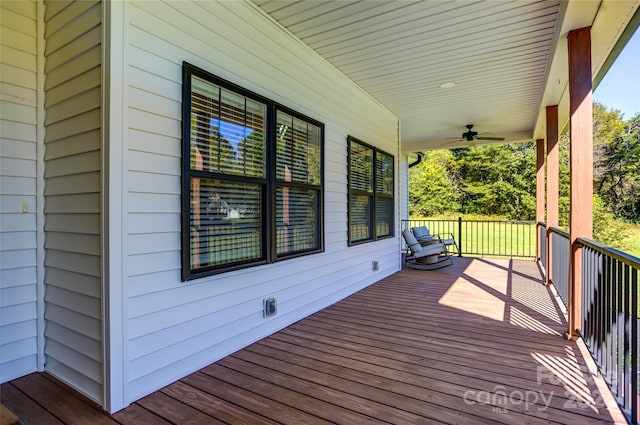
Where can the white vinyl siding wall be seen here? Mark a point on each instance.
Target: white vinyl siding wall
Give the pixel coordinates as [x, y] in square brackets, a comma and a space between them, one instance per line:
[173, 327]
[18, 189]
[73, 330]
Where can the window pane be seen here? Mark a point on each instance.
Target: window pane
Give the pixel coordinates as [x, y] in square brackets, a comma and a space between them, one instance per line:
[361, 167]
[298, 150]
[227, 131]
[313, 154]
[296, 217]
[384, 173]
[360, 217]
[225, 222]
[384, 216]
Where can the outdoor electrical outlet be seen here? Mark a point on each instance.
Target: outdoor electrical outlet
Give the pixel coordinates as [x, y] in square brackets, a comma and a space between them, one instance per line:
[270, 307]
[376, 266]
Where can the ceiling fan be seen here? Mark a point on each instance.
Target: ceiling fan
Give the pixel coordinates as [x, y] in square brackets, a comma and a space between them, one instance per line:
[471, 135]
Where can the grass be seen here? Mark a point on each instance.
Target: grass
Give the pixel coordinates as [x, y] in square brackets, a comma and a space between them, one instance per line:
[623, 236]
[518, 240]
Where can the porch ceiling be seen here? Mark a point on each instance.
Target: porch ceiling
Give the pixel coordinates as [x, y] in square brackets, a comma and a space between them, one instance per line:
[507, 59]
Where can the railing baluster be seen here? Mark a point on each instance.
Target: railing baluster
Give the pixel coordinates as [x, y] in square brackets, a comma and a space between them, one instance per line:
[587, 262]
[600, 340]
[627, 334]
[607, 322]
[618, 327]
[591, 296]
[611, 360]
[634, 346]
[619, 334]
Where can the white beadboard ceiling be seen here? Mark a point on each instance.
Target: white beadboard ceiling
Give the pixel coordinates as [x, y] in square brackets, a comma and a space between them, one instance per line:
[498, 53]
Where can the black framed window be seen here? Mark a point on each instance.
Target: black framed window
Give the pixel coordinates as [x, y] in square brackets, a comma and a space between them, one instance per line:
[371, 193]
[298, 183]
[252, 178]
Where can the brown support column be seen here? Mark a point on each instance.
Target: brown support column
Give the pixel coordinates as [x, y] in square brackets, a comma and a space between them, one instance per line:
[581, 164]
[540, 201]
[553, 185]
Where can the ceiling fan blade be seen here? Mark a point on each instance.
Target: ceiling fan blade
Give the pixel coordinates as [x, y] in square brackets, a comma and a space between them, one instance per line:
[489, 138]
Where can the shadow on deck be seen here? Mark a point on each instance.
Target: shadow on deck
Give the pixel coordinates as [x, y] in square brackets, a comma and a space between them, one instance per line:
[478, 342]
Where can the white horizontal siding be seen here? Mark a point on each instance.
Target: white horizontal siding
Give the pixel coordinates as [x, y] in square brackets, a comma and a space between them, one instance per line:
[73, 194]
[18, 173]
[174, 327]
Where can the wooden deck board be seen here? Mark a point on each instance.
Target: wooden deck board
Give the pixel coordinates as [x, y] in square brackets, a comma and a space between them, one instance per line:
[138, 415]
[417, 397]
[23, 407]
[240, 392]
[287, 389]
[477, 342]
[61, 402]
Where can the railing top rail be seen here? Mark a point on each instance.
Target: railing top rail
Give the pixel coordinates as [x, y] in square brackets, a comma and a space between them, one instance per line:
[611, 252]
[559, 231]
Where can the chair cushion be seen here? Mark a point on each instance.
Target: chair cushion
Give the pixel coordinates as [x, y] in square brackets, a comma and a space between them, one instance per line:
[422, 233]
[428, 250]
[411, 241]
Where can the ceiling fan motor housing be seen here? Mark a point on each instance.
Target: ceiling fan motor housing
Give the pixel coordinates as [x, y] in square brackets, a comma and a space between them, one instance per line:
[470, 135]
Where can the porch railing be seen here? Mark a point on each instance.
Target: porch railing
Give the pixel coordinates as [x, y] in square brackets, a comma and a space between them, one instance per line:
[480, 238]
[560, 249]
[610, 318]
[542, 238]
[610, 312]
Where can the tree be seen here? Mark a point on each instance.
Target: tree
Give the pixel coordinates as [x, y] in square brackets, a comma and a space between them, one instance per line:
[498, 180]
[433, 185]
[617, 162]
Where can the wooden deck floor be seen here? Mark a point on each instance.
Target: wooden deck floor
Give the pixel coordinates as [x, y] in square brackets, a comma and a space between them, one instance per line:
[476, 343]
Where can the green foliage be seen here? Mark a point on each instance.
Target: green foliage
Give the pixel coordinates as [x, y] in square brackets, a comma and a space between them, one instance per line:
[486, 180]
[433, 185]
[498, 180]
[614, 232]
[617, 162]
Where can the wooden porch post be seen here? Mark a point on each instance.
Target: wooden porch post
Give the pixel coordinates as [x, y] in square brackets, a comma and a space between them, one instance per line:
[581, 164]
[553, 185]
[540, 200]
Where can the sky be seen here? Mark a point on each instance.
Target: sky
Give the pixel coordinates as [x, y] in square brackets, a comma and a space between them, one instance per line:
[620, 87]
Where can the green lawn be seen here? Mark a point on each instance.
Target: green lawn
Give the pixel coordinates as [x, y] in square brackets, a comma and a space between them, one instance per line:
[482, 235]
[626, 238]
